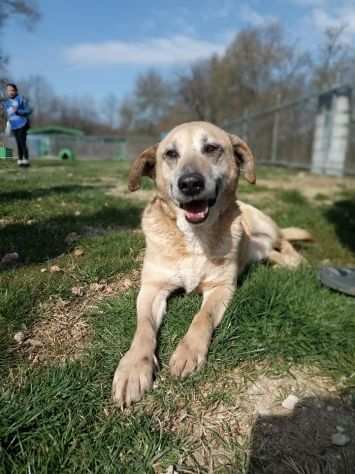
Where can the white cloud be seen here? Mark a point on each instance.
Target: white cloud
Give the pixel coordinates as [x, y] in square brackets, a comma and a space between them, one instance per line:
[156, 51]
[250, 15]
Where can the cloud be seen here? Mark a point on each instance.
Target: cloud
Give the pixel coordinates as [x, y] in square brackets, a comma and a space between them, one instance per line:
[250, 15]
[156, 51]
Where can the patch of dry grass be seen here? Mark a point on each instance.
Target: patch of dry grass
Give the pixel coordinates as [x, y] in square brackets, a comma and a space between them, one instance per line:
[63, 332]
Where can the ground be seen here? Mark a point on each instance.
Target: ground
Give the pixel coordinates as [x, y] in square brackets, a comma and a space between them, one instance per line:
[67, 314]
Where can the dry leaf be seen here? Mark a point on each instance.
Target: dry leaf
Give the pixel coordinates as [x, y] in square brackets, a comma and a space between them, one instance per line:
[19, 337]
[78, 252]
[55, 269]
[77, 291]
[97, 286]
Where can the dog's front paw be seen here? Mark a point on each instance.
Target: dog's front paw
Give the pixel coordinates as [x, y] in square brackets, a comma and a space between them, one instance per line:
[133, 376]
[187, 358]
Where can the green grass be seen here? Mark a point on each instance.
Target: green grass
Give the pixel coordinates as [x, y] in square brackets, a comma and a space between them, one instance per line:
[58, 417]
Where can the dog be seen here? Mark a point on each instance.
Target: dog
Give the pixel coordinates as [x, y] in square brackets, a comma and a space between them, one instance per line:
[198, 238]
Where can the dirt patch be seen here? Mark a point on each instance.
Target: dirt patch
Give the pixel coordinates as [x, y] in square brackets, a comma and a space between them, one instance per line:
[63, 333]
[310, 185]
[120, 190]
[237, 419]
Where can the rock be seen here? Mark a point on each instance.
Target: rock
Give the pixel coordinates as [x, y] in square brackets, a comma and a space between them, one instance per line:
[290, 402]
[77, 213]
[340, 439]
[43, 270]
[19, 337]
[10, 258]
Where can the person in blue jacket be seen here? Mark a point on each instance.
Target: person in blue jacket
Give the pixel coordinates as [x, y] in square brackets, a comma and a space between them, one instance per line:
[18, 112]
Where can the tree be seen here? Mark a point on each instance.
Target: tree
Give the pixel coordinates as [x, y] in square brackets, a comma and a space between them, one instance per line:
[193, 89]
[25, 9]
[41, 94]
[152, 98]
[335, 63]
[127, 113]
[149, 104]
[110, 110]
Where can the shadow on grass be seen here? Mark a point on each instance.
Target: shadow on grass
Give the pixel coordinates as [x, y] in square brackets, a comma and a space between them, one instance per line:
[302, 441]
[342, 215]
[40, 241]
[24, 195]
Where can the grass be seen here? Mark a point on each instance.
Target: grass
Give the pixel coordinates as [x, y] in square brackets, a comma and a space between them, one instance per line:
[57, 417]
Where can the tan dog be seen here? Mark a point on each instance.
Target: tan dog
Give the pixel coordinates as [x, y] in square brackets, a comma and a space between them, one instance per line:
[198, 237]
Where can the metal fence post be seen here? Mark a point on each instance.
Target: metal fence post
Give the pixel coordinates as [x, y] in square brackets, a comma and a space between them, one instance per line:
[245, 125]
[275, 130]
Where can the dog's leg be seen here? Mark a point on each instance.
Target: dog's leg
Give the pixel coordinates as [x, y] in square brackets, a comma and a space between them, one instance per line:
[191, 352]
[134, 374]
[287, 256]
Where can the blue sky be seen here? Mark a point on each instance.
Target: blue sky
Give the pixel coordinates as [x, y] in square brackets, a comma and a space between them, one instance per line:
[98, 48]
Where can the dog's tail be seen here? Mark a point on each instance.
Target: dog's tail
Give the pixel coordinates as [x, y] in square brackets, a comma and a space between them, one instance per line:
[294, 233]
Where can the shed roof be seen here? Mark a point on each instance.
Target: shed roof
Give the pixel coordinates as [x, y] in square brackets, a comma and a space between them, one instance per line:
[56, 130]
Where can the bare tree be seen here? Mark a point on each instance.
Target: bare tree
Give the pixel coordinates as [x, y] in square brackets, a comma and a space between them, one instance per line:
[110, 110]
[127, 114]
[41, 95]
[193, 89]
[336, 59]
[25, 9]
[152, 97]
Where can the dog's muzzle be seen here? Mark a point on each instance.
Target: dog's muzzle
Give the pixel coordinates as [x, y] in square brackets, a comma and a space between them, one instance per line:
[197, 204]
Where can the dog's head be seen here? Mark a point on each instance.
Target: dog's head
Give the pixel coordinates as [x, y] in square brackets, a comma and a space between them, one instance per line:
[196, 168]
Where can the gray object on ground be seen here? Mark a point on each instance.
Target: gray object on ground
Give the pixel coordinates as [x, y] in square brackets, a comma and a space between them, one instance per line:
[338, 278]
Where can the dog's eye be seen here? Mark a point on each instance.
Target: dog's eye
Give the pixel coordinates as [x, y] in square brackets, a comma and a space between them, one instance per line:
[211, 148]
[172, 154]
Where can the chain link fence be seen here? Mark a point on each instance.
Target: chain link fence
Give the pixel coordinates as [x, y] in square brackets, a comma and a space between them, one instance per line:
[284, 135]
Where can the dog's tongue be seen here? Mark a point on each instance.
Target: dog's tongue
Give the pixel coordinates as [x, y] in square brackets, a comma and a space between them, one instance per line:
[196, 211]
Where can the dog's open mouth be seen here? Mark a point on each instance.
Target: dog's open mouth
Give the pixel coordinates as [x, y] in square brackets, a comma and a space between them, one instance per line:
[197, 211]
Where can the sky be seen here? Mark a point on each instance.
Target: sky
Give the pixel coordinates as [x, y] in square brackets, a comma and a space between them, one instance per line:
[98, 48]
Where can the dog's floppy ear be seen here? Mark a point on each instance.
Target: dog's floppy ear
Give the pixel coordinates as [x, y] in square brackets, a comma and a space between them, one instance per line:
[244, 157]
[144, 165]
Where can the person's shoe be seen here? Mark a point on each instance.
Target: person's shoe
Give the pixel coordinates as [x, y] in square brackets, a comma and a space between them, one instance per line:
[20, 162]
[24, 163]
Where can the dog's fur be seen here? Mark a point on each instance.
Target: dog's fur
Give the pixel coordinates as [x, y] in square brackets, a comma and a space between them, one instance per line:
[204, 256]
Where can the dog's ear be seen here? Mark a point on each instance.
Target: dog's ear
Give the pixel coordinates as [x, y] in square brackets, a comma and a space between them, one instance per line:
[144, 165]
[244, 158]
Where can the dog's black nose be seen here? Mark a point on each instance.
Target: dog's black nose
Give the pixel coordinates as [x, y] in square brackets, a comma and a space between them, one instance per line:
[191, 184]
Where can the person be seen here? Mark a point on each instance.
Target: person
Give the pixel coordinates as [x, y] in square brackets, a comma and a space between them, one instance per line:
[18, 113]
